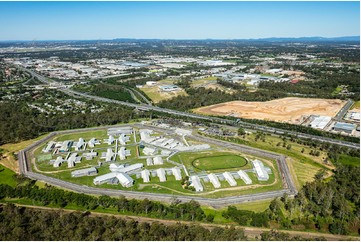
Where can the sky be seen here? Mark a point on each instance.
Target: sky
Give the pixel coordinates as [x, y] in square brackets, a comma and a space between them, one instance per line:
[176, 20]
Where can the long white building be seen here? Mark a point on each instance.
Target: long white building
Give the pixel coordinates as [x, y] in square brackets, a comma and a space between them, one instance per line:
[161, 175]
[108, 156]
[262, 174]
[145, 175]
[177, 173]
[243, 175]
[158, 160]
[229, 178]
[104, 178]
[196, 183]
[214, 180]
[123, 153]
[124, 179]
[84, 172]
[49, 147]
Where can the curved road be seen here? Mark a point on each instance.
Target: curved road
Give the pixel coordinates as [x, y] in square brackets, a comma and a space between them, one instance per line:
[147, 107]
[289, 187]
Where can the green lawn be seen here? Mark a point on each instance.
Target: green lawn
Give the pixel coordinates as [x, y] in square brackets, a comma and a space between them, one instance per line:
[348, 160]
[6, 176]
[219, 162]
[356, 105]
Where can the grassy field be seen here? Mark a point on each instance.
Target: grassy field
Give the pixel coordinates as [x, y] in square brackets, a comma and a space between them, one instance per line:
[356, 105]
[348, 160]
[156, 96]
[6, 176]
[219, 162]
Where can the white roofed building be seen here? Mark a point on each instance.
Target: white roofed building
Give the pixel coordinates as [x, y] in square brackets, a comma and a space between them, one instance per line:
[110, 140]
[214, 180]
[177, 173]
[78, 145]
[124, 179]
[145, 175]
[107, 178]
[84, 172]
[262, 174]
[59, 160]
[108, 156]
[243, 175]
[92, 142]
[161, 175]
[196, 183]
[149, 151]
[320, 122]
[123, 153]
[49, 147]
[158, 160]
[229, 178]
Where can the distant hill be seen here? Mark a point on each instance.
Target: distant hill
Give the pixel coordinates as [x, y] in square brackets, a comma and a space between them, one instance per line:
[311, 39]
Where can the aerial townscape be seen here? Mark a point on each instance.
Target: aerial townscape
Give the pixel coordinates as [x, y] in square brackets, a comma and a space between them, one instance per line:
[180, 128]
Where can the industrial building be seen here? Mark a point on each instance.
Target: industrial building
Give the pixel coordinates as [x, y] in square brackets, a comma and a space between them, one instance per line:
[196, 183]
[320, 122]
[177, 173]
[84, 172]
[344, 127]
[355, 116]
[229, 178]
[161, 175]
[214, 180]
[261, 173]
[124, 179]
[49, 147]
[169, 88]
[243, 175]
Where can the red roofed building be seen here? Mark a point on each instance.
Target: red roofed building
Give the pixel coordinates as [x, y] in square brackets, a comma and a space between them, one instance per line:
[294, 81]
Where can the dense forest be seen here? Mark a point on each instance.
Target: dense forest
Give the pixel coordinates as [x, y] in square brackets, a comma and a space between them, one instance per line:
[19, 122]
[325, 205]
[30, 224]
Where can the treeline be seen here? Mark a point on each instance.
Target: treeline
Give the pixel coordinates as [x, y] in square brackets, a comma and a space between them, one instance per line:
[49, 195]
[332, 206]
[28, 224]
[199, 97]
[299, 128]
[20, 122]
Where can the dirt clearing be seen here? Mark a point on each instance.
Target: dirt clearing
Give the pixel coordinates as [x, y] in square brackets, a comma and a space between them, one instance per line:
[290, 110]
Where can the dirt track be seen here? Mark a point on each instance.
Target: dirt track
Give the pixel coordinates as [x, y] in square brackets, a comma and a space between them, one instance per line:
[288, 110]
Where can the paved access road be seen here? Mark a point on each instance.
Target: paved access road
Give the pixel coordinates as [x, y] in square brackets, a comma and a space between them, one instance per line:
[289, 188]
[148, 107]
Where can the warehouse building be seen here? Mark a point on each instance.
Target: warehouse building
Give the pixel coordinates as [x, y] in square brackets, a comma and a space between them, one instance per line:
[229, 178]
[214, 180]
[320, 122]
[196, 183]
[262, 174]
[169, 88]
[243, 175]
[84, 172]
[344, 127]
[161, 175]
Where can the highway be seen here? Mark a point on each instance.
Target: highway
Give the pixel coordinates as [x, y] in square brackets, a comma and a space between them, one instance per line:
[147, 107]
[289, 187]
